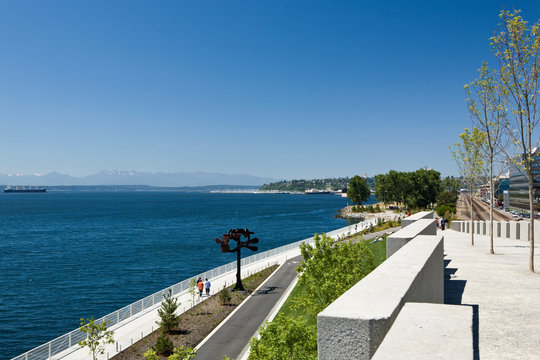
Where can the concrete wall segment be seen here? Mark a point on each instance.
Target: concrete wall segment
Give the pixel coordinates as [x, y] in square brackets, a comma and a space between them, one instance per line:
[418, 216]
[398, 239]
[415, 273]
[441, 331]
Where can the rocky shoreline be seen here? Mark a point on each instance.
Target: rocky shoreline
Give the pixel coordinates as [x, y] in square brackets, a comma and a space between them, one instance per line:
[348, 214]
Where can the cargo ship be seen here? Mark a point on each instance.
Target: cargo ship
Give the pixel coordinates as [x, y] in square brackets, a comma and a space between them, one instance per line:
[19, 189]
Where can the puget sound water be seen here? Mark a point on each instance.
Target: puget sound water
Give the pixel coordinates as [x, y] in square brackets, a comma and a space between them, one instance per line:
[67, 255]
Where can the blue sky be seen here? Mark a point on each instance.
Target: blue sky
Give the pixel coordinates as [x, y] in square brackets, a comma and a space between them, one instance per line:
[284, 89]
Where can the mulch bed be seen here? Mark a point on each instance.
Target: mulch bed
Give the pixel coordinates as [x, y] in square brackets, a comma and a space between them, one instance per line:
[199, 321]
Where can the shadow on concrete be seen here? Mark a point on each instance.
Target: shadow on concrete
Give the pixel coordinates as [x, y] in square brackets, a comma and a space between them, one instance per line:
[453, 293]
[453, 288]
[267, 290]
[476, 325]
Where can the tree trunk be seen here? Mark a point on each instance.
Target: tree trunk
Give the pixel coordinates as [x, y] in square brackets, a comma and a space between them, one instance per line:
[531, 232]
[491, 209]
[472, 224]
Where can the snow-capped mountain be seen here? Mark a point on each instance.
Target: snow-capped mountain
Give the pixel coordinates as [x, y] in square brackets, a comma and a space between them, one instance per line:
[125, 177]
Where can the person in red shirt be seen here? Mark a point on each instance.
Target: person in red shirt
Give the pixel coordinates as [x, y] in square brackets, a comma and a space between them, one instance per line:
[200, 286]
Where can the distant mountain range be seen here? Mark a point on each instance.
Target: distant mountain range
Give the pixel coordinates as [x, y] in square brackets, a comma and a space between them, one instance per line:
[124, 177]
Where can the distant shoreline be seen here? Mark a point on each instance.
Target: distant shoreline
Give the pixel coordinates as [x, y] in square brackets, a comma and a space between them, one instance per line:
[118, 188]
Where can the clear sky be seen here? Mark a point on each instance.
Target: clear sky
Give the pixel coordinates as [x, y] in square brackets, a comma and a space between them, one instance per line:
[284, 89]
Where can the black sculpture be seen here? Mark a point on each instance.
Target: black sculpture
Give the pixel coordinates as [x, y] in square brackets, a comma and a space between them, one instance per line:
[235, 234]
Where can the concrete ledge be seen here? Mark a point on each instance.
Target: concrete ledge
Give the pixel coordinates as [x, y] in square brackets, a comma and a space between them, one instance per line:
[354, 325]
[418, 216]
[395, 241]
[437, 331]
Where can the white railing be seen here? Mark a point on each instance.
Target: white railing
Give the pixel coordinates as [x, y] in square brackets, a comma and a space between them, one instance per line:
[66, 343]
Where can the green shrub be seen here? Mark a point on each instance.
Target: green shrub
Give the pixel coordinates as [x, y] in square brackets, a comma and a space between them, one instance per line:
[443, 209]
[183, 353]
[224, 296]
[283, 339]
[328, 269]
[150, 354]
[164, 346]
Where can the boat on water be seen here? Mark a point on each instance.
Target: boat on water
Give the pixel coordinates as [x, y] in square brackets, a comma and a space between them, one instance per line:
[316, 192]
[23, 189]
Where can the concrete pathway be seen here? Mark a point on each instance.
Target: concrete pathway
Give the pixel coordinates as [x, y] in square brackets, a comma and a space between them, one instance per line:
[505, 297]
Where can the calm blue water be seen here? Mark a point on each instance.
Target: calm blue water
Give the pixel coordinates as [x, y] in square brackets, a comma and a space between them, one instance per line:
[67, 255]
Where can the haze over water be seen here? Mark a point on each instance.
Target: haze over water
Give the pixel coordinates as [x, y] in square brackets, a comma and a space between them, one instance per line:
[67, 255]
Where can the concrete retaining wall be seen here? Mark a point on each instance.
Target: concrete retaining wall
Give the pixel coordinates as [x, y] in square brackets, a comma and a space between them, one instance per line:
[418, 216]
[441, 331]
[398, 239]
[354, 325]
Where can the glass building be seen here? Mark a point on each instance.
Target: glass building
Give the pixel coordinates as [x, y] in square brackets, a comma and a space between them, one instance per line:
[519, 186]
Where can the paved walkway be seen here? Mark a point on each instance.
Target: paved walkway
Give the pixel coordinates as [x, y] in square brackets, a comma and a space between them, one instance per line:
[505, 297]
[234, 335]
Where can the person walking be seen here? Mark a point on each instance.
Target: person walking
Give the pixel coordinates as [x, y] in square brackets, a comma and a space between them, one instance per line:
[207, 287]
[200, 286]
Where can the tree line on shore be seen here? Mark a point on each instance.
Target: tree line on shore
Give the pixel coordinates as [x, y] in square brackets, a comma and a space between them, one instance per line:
[420, 189]
[301, 185]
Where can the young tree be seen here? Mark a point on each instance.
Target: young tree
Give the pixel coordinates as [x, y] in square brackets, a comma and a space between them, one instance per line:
[469, 156]
[97, 336]
[516, 45]
[192, 290]
[168, 319]
[487, 111]
[328, 269]
[358, 190]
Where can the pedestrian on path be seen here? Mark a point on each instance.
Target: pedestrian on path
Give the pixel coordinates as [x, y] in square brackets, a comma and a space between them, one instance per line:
[200, 286]
[207, 287]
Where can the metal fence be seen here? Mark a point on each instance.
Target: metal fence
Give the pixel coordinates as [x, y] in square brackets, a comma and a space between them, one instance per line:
[68, 341]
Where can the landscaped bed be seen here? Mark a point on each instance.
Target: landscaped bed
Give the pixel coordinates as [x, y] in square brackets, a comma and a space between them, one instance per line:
[199, 321]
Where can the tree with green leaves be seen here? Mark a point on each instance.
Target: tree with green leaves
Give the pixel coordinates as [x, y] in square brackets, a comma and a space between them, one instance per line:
[516, 45]
[426, 185]
[400, 185]
[487, 111]
[326, 264]
[327, 270]
[97, 336]
[358, 190]
[168, 319]
[382, 192]
[469, 156]
[451, 184]
[446, 202]
[416, 189]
